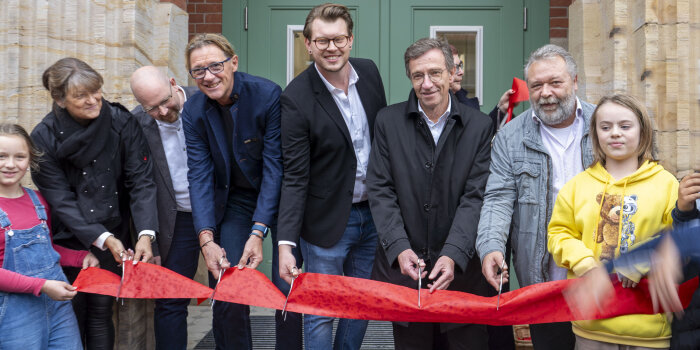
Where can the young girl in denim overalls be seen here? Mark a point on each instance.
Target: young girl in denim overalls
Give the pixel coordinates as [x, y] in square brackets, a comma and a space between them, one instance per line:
[35, 308]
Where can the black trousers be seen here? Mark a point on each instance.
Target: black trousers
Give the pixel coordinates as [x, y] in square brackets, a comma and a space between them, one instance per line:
[94, 311]
[427, 336]
[555, 336]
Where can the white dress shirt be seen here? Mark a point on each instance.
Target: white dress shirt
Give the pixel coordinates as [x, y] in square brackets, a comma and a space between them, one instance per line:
[173, 138]
[355, 118]
[437, 127]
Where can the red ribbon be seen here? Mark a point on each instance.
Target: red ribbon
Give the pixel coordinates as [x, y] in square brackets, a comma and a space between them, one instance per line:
[521, 94]
[348, 297]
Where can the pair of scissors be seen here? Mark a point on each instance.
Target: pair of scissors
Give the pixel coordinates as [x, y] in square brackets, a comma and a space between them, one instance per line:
[121, 282]
[420, 272]
[221, 272]
[500, 286]
[291, 285]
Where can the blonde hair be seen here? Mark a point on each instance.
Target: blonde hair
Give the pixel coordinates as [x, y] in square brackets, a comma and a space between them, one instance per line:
[7, 129]
[646, 149]
[206, 39]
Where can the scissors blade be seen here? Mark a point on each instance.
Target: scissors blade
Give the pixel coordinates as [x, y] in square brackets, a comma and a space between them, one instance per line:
[284, 308]
[500, 286]
[420, 272]
[121, 282]
[221, 272]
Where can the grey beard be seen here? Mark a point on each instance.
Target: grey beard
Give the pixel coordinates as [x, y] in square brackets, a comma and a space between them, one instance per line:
[564, 110]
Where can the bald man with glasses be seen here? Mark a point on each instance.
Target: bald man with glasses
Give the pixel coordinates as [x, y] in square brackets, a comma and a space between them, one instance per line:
[161, 100]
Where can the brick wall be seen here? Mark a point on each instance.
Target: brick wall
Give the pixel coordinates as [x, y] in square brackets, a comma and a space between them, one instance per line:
[205, 16]
[559, 18]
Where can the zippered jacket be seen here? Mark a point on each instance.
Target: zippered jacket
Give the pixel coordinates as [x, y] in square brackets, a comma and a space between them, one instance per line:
[518, 192]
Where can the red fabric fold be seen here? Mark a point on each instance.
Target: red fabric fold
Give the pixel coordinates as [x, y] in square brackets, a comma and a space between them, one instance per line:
[143, 280]
[521, 94]
[347, 297]
[250, 287]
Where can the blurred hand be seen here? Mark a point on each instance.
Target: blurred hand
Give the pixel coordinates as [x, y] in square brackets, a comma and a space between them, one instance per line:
[409, 263]
[590, 293]
[664, 277]
[58, 290]
[688, 192]
[287, 263]
[490, 266]
[626, 282]
[90, 260]
[445, 268]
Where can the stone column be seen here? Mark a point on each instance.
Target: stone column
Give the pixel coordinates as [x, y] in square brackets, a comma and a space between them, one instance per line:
[113, 36]
[650, 49]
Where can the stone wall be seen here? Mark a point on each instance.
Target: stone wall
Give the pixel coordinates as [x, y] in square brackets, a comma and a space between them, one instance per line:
[650, 49]
[559, 22]
[113, 36]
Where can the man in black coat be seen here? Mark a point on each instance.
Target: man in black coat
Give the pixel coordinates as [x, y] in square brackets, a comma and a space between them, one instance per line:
[327, 118]
[161, 101]
[426, 179]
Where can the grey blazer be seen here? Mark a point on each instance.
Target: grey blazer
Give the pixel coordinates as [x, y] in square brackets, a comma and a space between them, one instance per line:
[165, 198]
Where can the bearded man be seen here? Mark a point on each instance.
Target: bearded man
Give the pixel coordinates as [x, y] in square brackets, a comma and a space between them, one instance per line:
[532, 157]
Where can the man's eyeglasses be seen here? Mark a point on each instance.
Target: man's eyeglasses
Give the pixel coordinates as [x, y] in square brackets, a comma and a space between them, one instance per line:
[214, 68]
[339, 41]
[435, 76]
[150, 110]
[460, 66]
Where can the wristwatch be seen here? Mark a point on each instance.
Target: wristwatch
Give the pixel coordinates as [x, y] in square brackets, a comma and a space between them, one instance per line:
[151, 236]
[264, 229]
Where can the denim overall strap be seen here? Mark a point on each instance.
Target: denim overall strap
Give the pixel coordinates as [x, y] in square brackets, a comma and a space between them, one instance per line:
[4, 219]
[27, 321]
[38, 206]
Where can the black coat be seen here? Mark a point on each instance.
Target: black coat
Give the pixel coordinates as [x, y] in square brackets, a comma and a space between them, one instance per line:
[319, 159]
[106, 194]
[427, 197]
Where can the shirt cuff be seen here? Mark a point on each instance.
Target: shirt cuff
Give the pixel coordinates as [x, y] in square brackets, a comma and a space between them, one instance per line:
[286, 243]
[150, 233]
[100, 241]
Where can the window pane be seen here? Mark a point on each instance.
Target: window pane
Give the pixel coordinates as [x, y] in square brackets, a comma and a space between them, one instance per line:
[302, 58]
[465, 42]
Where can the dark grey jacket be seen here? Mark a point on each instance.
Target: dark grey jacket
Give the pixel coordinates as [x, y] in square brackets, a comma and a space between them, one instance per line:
[426, 197]
[518, 195]
[167, 207]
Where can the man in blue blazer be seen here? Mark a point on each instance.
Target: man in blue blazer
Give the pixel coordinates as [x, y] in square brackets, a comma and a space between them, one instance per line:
[232, 134]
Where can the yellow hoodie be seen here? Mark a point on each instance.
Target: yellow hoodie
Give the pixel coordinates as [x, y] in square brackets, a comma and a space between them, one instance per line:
[591, 222]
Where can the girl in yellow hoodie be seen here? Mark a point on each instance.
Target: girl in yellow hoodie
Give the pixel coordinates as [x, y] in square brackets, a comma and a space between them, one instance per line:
[618, 202]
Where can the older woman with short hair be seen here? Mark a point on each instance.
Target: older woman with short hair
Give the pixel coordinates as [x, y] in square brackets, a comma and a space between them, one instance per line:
[96, 175]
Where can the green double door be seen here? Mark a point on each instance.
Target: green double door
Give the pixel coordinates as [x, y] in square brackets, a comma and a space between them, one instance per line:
[494, 37]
